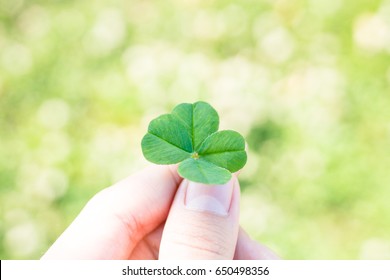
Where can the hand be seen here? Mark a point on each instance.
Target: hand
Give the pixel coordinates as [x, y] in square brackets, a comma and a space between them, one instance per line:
[155, 214]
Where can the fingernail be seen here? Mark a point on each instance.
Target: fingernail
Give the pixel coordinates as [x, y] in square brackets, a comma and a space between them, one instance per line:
[215, 199]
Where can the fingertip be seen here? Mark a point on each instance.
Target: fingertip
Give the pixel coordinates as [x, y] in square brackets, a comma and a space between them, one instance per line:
[202, 223]
[249, 249]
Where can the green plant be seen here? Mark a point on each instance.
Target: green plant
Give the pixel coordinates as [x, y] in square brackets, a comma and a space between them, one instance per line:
[190, 135]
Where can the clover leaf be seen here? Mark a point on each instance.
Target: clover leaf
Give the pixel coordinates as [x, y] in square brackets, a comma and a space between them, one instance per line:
[190, 136]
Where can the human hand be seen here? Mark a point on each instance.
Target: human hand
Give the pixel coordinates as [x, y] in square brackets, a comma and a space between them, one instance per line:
[155, 214]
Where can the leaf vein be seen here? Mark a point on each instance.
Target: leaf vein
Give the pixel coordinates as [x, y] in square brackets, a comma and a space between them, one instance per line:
[219, 152]
[168, 142]
[192, 128]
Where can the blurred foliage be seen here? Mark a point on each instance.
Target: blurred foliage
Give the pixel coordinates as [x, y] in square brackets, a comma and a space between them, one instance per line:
[307, 81]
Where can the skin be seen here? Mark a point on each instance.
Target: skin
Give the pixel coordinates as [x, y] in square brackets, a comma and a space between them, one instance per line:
[144, 217]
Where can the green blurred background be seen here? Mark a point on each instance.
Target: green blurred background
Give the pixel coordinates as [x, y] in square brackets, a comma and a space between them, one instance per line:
[306, 81]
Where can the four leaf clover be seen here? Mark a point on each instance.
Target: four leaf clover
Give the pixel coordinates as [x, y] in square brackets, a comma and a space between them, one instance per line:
[190, 136]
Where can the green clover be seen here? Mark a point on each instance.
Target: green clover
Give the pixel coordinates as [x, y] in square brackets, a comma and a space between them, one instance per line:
[190, 135]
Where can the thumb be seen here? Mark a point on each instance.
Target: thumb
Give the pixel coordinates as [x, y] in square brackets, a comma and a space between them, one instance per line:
[202, 222]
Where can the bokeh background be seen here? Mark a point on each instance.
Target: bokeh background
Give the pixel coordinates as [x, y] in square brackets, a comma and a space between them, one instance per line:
[307, 82]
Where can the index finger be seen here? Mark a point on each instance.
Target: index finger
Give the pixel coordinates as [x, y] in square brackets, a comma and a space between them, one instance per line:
[116, 218]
